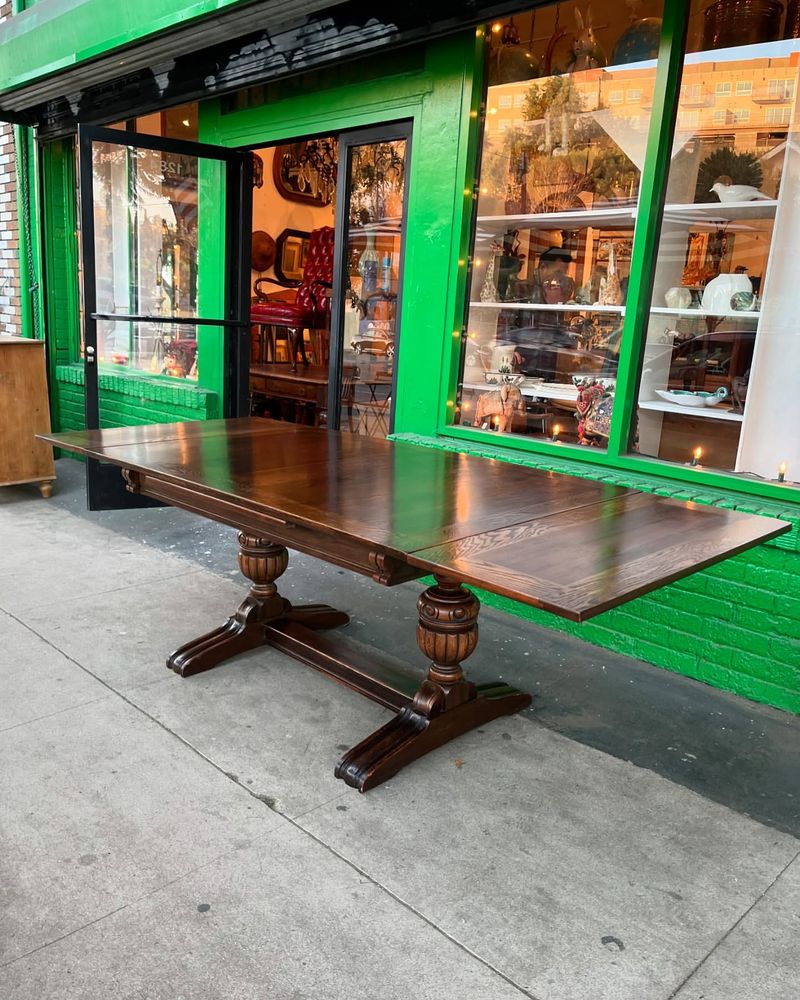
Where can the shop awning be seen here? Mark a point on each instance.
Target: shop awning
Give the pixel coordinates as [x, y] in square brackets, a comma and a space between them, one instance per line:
[60, 68]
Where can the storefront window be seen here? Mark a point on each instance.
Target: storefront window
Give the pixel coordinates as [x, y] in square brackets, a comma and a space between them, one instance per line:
[146, 245]
[568, 108]
[721, 361]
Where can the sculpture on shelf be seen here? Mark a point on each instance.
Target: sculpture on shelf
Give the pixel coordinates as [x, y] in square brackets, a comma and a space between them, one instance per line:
[587, 52]
[678, 297]
[488, 291]
[611, 293]
[503, 409]
[721, 164]
[727, 191]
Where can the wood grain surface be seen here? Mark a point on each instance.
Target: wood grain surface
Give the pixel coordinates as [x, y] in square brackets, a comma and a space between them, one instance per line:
[570, 545]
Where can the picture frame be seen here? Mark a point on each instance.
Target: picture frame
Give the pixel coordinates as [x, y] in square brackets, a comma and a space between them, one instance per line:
[290, 257]
[290, 183]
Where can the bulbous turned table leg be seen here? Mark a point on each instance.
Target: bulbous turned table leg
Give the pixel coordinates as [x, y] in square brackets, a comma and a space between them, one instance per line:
[446, 704]
[262, 562]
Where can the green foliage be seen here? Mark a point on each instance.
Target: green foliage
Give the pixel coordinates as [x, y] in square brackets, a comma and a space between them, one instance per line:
[553, 97]
[613, 175]
[742, 168]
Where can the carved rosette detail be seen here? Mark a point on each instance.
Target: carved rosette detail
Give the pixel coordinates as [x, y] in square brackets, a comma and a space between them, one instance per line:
[447, 634]
[262, 562]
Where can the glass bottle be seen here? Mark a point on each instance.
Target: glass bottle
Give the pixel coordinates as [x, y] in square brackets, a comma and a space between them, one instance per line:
[368, 267]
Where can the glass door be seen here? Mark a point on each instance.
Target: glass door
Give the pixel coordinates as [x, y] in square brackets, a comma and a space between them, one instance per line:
[365, 323]
[165, 244]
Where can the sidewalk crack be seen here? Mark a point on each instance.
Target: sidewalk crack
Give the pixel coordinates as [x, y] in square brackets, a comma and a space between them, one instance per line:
[732, 928]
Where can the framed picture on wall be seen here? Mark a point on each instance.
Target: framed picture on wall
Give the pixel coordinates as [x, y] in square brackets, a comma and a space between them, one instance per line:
[306, 171]
[291, 254]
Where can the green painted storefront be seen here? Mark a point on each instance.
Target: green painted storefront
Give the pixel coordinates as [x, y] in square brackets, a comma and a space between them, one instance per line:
[735, 626]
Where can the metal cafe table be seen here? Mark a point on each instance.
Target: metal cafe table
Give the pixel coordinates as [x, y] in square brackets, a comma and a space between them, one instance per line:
[397, 512]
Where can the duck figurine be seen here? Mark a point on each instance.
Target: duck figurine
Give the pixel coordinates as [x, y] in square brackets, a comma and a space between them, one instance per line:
[727, 191]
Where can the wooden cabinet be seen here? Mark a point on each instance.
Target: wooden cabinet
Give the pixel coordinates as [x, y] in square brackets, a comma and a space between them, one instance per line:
[24, 412]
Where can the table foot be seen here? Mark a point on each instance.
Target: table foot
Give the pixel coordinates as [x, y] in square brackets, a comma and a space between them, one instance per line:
[241, 632]
[445, 705]
[262, 562]
[411, 734]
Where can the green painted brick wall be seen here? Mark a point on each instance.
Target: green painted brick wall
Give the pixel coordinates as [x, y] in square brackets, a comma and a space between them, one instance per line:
[735, 625]
[128, 400]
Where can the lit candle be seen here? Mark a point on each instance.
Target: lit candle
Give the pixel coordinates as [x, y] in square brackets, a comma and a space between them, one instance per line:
[556, 432]
[697, 454]
[782, 472]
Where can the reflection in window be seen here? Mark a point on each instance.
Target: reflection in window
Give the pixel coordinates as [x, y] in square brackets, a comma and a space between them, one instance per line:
[559, 184]
[721, 361]
[146, 219]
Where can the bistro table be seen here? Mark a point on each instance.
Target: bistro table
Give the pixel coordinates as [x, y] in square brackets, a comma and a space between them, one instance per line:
[396, 512]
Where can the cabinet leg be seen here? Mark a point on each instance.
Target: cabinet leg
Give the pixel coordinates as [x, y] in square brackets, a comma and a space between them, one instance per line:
[46, 489]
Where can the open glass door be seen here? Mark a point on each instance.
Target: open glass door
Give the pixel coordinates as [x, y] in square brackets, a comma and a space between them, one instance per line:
[365, 321]
[165, 242]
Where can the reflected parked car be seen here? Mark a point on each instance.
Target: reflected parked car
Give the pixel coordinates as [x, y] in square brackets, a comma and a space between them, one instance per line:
[711, 358]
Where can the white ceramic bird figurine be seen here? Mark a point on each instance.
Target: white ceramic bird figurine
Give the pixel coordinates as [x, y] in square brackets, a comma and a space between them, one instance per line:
[738, 192]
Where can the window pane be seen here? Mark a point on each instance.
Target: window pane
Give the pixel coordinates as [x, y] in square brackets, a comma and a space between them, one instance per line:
[567, 115]
[722, 356]
[146, 218]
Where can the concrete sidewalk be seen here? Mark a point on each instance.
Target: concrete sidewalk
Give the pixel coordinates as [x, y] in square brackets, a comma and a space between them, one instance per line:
[164, 838]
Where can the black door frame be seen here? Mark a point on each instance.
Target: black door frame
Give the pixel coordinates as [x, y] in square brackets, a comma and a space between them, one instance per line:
[104, 485]
[347, 140]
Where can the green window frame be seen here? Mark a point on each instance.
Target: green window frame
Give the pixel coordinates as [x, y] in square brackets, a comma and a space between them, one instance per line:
[617, 457]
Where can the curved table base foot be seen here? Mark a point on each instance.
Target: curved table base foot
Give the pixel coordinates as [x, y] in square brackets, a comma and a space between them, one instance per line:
[410, 735]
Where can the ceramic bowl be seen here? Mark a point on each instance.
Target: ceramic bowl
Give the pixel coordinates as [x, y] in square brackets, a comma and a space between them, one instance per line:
[683, 397]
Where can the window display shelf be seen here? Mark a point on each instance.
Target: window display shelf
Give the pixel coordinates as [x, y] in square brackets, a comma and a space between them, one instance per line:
[599, 218]
[706, 412]
[702, 314]
[564, 392]
[711, 213]
[552, 307]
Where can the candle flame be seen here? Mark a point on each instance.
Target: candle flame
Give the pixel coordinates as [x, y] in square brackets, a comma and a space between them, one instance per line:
[698, 454]
[782, 468]
[556, 430]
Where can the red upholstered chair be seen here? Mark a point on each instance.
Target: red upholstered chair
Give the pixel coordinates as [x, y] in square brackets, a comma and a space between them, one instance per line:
[311, 308]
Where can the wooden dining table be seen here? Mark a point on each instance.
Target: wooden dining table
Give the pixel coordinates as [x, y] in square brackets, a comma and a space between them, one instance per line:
[397, 512]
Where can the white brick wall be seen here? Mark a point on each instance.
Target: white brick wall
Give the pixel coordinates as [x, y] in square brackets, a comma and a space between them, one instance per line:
[9, 229]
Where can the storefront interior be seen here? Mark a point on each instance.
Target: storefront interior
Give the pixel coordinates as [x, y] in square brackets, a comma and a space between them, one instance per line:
[569, 106]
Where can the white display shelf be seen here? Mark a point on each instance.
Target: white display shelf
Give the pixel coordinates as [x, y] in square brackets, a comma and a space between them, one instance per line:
[563, 392]
[605, 217]
[705, 412]
[609, 217]
[702, 314]
[549, 307]
[718, 211]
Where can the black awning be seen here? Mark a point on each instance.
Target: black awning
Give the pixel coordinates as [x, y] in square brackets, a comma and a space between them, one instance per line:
[250, 45]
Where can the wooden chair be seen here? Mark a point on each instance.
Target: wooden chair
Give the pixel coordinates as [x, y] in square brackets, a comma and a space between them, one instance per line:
[310, 307]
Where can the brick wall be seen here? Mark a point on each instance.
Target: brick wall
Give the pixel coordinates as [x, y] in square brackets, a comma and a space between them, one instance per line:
[735, 625]
[9, 231]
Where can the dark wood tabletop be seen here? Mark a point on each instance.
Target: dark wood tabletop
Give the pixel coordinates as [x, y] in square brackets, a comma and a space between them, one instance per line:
[572, 546]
